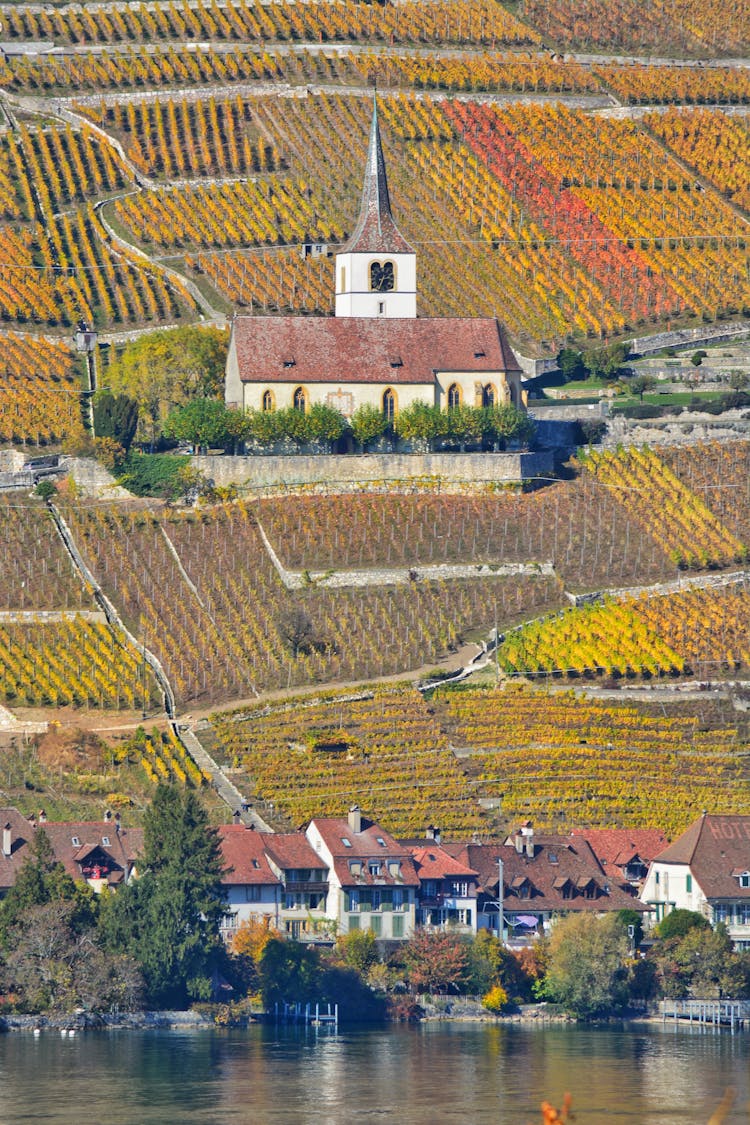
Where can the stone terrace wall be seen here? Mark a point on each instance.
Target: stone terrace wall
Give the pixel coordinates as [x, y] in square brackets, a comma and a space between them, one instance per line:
[375, 468]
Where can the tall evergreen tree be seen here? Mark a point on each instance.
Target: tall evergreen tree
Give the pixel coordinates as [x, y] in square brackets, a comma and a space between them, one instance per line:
[168, 919]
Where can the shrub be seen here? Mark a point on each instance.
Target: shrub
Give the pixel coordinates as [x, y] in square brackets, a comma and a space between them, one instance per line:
[495, 1000]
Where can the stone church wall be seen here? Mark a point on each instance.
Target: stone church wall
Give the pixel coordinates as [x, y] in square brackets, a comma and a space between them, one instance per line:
[450, 468]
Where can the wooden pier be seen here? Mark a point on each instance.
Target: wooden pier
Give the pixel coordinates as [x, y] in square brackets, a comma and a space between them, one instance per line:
[731, 1014]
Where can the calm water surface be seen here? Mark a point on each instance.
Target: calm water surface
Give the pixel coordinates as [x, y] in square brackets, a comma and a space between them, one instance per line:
[414, 1076]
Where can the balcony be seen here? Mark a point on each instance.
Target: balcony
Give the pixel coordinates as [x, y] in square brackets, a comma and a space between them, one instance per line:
[309, 887]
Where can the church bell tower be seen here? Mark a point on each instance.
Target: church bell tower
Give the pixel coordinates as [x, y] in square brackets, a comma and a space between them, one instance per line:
[376, 272]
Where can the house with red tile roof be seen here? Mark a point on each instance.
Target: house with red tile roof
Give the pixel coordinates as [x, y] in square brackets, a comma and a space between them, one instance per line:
[539, 878]
[447, 897]
[372, 882]
[375, 350]
[303, 875]
[251, 888]
[706, 869]
[625, 853]
[100, 852]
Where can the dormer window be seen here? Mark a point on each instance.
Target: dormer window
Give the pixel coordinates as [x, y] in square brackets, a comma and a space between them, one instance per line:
[105, 841]
[745, 879]
[552, 857]
[374, 868]
[290, 363]
[394, 869]
[355, 867]
[75, 841]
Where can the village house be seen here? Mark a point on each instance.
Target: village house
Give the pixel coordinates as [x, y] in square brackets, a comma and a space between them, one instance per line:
[544, 877]
[304, 879]
[372, 881]
[624, 853]
[100, 852]
[706, 869]
[447, 895]
[251, 888]
[375, 350]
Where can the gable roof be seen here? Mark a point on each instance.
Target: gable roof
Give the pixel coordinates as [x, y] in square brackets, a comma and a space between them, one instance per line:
[617, 847]
[376, 230]
[76, 843]
[355, 349]
[244, 857]
[292, 851]
[21, 833]
[713, 847]
[557, 863]
[365, 845]
[433, 862]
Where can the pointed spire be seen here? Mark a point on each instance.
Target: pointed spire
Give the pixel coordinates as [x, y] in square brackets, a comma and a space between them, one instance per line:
[376, 230]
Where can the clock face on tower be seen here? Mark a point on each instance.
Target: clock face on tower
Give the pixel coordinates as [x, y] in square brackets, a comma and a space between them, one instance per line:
[382, 277]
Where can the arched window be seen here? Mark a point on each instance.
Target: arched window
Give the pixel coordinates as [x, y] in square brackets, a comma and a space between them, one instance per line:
[454, 396]
[300, 400]
[489, 396]
[382, 277]
[268, 403]
[389, 405]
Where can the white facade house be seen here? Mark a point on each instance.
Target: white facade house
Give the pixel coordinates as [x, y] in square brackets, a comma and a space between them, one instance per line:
[707, 870]
[372, 881]
[251, 889]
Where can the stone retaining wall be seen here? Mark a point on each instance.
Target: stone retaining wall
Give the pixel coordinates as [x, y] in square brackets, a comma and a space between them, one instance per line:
[450, 469]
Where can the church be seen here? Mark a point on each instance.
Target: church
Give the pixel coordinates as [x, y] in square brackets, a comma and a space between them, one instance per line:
[375, 349]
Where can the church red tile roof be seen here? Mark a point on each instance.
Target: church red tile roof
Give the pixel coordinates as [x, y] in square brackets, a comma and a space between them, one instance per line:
[328, 349]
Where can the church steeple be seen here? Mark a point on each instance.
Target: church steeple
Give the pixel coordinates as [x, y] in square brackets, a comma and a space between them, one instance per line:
[376, 230]
[376, 272]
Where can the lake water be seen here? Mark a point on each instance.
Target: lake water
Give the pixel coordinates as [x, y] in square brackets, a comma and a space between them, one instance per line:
[437, 1072]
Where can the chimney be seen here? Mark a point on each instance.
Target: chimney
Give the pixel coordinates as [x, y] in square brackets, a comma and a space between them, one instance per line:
[42, 816]
[355, 819]
[518, 841]
[108, 816]
[432, 832]
[7, 840]
[118, 825]
[529, 835]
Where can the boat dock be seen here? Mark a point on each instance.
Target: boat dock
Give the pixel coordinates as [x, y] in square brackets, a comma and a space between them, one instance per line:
[317, 1015]
[731, 1014]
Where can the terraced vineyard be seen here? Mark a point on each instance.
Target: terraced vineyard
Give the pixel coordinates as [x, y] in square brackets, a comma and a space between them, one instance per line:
[71, 661]
[388, 756]
[202, 593]
[557, 758]
[36, 572]
[564, 760]
[701, 631]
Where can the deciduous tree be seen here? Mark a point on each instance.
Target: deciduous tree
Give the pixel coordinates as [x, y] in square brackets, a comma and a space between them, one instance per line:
[586, 970]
